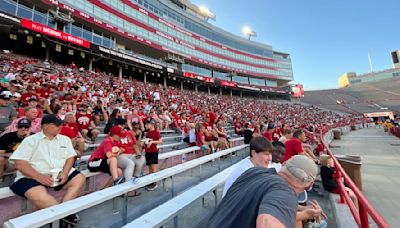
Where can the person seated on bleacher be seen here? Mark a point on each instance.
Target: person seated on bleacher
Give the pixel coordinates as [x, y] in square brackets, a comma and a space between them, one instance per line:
[260, 156]
[31, 113]
[262, 198]
[153, 138]
[287, 134]
[328, 178]
[201, 139]
[113, 120]
[131, 160]
[104, 158]
[9, 142]
[222, 142]
[37, 156]
[7, 112]
[86, 125]
[100, 114]
[277, 154]
[32, 103]
[70, 129]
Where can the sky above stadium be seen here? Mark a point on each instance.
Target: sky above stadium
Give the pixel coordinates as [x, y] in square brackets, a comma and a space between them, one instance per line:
[324, 38]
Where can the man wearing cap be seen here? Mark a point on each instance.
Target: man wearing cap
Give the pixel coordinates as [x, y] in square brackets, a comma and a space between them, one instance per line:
[262, 198]
[104, 158]
[35, 159]
[7, 112]
[9, 143]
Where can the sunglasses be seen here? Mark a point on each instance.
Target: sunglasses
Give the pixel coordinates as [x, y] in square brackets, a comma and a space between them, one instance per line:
[26, 127]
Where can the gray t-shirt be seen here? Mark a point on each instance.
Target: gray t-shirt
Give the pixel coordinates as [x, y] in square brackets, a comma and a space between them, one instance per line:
[256, 191]
[6, 115]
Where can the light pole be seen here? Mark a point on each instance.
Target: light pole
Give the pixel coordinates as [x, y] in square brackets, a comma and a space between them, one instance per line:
[247, 31]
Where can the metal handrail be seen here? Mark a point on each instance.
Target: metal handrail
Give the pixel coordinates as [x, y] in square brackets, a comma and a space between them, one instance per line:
[365, 207]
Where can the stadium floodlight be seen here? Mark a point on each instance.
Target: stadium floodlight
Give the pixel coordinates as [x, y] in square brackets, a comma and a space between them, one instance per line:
[247, 31]
[206, 13]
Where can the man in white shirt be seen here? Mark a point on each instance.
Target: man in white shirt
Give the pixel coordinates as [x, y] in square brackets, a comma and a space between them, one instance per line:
[260, 156]
[35, 159]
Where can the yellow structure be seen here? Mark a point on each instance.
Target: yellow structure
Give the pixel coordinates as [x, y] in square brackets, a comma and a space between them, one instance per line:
[344, 79]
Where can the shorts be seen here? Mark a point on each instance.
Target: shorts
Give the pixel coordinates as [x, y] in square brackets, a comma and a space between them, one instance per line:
[99, 165]
[24, 184]
[151, 158]
[89, 134]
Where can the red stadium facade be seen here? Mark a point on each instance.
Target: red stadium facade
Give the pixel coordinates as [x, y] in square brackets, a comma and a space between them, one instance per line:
[140, 40]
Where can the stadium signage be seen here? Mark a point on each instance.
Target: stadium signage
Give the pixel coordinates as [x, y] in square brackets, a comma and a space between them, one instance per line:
[228, 84]
[54, 33]
[199, 77]
[378, 114]
[129, 57]
[248, 87]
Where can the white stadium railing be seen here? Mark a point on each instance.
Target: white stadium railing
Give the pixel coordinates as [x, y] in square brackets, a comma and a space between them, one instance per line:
[55, 213]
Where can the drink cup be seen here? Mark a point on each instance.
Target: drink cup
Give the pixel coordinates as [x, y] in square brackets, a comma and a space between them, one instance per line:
[55, 175]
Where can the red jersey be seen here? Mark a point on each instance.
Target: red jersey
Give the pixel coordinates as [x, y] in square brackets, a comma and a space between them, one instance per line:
[293, 147]
[127, 142]
[105, 147]
[83, 120]
[155, 136]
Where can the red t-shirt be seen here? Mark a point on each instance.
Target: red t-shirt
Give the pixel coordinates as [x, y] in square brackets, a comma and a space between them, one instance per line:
[199, 138]
[127, 142]
[293, 147]
[268, 136]
[105, 147]
[70, 130]
[155, 136]
[83, 120]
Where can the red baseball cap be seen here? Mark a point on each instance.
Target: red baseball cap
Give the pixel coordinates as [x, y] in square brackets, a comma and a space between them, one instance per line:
[115, 130]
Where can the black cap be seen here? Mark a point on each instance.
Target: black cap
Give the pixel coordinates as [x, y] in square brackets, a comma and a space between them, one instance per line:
[52, 118]
[24, 123]
[151, 121]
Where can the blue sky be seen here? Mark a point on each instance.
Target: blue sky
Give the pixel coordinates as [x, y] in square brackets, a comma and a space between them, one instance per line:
[324, 38]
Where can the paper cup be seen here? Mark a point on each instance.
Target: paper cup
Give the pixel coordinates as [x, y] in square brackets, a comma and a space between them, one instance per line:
[55, 175]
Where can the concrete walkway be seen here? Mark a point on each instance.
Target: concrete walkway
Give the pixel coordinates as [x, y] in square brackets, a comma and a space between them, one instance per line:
[380, 153]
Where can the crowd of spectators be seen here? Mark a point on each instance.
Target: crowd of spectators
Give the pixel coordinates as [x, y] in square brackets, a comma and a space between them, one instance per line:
[134, 113]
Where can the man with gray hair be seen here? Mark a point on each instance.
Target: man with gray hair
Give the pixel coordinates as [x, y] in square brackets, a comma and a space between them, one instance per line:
[262, 198]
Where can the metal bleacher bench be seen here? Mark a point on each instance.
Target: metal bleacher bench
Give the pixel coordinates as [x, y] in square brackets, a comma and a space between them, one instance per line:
[6, 192]
[55, 213]
[170, 209]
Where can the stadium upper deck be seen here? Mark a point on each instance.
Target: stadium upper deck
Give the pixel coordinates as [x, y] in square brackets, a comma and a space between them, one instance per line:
[160, 32]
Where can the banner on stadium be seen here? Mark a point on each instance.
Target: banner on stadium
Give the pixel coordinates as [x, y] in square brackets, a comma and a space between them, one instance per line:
[248, 87]
[43, 29]
[379, 114]
[129, 57]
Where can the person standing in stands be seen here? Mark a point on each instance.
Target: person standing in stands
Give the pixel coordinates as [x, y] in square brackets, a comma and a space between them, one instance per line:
[37, 156]
[9, 142]
[153, 138]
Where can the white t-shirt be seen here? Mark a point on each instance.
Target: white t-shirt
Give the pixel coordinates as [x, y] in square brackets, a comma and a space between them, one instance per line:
[243, 166]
